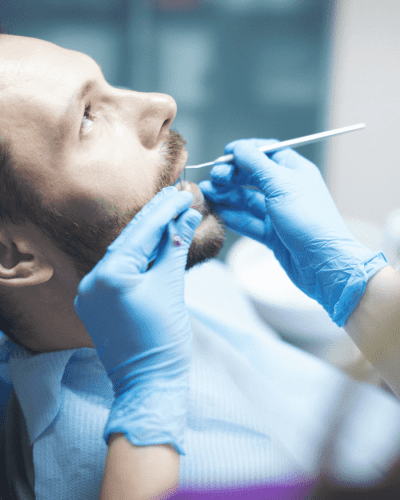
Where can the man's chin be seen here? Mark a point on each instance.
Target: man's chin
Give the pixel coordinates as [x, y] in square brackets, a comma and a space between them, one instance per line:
[208, 238]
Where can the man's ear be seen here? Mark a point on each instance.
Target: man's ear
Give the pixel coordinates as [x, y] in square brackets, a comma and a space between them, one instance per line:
[21, 261]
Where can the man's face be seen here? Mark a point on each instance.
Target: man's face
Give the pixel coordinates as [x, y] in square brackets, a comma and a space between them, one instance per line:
[95, 153]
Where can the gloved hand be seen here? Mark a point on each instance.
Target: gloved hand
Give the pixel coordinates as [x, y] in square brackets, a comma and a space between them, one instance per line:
[139, 323]
[293, 214]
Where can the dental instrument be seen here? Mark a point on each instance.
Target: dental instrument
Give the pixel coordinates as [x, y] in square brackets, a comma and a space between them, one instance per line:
[291, 143]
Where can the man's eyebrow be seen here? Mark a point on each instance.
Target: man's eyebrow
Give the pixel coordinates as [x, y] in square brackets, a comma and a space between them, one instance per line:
[77, 97]
[88, 86]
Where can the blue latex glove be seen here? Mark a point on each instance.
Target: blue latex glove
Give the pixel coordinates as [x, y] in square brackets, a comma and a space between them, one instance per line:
[294, 214]
[139, 323]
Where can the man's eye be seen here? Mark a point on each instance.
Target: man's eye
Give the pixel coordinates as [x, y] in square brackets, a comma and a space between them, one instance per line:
[87, 120]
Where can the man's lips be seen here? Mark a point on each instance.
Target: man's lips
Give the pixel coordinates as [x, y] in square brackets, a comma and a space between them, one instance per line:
[198, 198]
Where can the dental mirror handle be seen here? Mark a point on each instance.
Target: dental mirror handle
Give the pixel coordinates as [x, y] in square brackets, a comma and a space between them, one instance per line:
[291, 143]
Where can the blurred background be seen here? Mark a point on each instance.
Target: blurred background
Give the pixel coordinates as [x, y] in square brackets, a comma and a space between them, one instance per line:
[236, 68]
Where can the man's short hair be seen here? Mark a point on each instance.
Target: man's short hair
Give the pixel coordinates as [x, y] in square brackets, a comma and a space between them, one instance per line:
[19, 201]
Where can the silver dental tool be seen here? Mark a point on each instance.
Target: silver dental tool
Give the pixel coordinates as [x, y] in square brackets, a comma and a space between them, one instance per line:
[292, 143]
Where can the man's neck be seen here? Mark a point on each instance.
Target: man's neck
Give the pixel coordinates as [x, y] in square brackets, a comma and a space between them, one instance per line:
[50, 322]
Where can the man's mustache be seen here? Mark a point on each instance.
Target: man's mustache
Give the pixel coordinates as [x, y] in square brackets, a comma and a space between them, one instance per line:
[171, 155]
[174, 144]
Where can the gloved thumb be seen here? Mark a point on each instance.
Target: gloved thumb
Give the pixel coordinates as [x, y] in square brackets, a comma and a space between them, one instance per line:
[263, 171]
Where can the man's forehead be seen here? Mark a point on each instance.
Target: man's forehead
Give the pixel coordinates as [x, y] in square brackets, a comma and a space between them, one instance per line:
[27, 62]
[32, 54]
[38, 81]
[19, 50]
[37, 73]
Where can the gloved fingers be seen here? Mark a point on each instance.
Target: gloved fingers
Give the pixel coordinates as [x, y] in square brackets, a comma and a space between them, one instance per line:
[291, 159]
[258, 143]
[227, 173]
[186, 224]
[265, 174]
[244, 211]
[286, 157]
[141, 238]
[243, 223]
[248, 224]
[237, 197]
[262, 231]
[148, 207]
[177, 241]
[147, 235]
[146, 228]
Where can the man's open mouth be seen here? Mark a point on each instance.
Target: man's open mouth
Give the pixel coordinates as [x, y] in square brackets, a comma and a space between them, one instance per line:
[198, 199]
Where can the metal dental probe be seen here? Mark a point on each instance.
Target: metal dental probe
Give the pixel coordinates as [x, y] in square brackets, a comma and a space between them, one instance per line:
[292, 143]
[182, 182]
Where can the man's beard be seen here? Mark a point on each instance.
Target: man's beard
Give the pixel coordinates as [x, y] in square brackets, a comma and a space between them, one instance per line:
[85, 234]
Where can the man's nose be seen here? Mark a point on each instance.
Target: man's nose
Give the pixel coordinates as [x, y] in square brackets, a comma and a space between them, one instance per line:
[152, 114]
